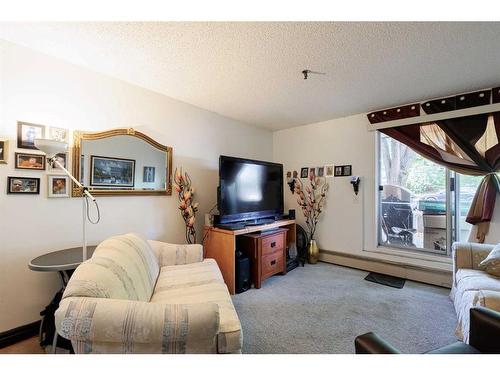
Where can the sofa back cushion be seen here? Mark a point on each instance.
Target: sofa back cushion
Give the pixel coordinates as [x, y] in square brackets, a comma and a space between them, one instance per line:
[169, 254]
[492, 262]
[122, 267]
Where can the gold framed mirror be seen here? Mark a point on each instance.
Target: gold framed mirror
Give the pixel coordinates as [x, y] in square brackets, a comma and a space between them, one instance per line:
[121, 162]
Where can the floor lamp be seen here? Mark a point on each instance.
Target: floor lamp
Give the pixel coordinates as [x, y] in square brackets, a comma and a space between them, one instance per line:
[51, 148]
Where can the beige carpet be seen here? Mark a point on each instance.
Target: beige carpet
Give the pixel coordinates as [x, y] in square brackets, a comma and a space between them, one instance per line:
[321, 309]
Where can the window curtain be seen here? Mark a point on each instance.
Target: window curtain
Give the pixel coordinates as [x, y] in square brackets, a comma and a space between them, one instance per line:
[467, 145]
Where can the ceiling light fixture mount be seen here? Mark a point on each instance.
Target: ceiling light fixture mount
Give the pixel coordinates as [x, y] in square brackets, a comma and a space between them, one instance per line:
[306, 73]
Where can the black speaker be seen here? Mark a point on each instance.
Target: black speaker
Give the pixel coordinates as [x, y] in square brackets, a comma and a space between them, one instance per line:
[291, 214]
[243, 281]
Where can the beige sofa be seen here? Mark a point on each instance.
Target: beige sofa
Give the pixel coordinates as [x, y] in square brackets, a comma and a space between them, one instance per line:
[139, 296]
[471, 285]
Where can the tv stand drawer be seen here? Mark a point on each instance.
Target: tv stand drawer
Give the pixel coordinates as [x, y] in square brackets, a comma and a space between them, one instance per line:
[272, 264]
[267, 253]
[272, 243]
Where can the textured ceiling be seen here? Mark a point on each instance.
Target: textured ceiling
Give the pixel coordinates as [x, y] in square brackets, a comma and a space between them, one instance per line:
[251, 71]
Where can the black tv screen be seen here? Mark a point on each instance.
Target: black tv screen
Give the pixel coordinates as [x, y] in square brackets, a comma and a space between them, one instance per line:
[249, 189]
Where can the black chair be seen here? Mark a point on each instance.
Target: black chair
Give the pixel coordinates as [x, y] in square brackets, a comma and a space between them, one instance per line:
[397, 221]
[484, 337]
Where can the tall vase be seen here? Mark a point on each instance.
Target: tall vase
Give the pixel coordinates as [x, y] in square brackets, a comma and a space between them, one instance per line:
[312, 252]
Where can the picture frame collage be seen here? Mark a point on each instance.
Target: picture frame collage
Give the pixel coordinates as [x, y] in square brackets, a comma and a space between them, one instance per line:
[28, 158]
[328, 170]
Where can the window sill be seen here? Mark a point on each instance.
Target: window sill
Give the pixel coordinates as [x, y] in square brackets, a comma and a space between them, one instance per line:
[429, 257]
[389, 258]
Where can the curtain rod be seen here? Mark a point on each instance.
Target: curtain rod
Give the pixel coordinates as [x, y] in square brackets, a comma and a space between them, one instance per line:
[436, 117]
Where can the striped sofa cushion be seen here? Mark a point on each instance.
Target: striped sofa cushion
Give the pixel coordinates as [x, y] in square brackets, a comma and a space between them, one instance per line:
[199, 283]
[102, 325]
[170, 254]
[122, 267]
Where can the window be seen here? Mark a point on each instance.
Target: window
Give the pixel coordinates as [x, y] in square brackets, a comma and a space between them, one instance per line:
[422, 205]
[465, 189]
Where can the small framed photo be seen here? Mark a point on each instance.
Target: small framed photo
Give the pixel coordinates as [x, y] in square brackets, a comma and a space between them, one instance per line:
[59, 134]
[29, 161]
[321, 171]
[4, 151]
[23, 185]
[27, 133]
[343, 170]
[329, 170]
[58, 186]
[304, 172]
[312, 172]
[148, 174]
[61, 158]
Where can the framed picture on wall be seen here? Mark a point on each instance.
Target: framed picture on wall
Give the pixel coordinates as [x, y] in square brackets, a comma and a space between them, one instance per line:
[148, 174]
[312, 172]
[321, 171]
[23, 185]
[61, 158]
[27, 133]
[347, 170]
[29, 161]
[59, 134]
[58, 186]
[343, 170]
[304, 172]
[4, 151]
[329, 170]
[112, 172]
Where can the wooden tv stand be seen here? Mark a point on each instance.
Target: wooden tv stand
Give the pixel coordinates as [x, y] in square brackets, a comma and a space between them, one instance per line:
[220, 244]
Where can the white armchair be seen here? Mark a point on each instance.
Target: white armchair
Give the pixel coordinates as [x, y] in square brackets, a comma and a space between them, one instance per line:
[471, 285]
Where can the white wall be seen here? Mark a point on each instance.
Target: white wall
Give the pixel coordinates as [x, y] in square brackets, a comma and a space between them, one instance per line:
[348, 223]
[40, 89]
[341, 141]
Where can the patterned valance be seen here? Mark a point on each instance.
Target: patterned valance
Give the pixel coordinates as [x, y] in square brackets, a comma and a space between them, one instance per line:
[450, 103]
[467, 144]
[411, 110]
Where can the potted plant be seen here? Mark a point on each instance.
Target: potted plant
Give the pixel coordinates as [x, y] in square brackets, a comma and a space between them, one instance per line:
[311, 200]
[188, 208]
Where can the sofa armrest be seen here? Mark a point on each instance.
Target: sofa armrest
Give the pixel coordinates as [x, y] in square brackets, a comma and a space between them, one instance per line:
[172, 254]
[485, 330]
[469, 254]
[124, 326]
[371, 343]
[487, 298]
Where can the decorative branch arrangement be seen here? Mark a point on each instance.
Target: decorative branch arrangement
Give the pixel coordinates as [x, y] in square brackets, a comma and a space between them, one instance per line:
[182, 185]
[312, 200]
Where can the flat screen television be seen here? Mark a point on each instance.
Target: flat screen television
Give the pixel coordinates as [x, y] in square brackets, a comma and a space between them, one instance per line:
[249, 190]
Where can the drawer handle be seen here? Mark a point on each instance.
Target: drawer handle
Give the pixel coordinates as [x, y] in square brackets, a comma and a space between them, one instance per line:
[273, 244]
[273, 262]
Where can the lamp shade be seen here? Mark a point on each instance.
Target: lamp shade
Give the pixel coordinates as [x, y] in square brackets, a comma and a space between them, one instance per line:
[50, 147]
